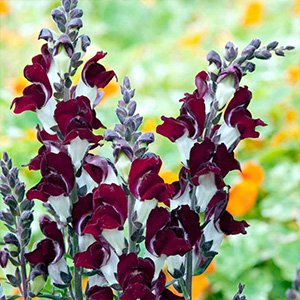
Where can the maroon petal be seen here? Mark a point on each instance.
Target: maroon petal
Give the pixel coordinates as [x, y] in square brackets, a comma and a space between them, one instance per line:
[33, 98]
[50, 230]
[168, 295]
[157, 219]
[97, 167]
[225, 160]
[172, 128]
[82, 212]
[201, 83]
[230, 226]
[97, 292]
[141, 167]
[200, 154]
[94, 257]
[113, 195]
[44, 253]
[94, 74]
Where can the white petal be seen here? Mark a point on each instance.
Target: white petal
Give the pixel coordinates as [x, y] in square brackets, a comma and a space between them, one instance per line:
[84, 241]
[96, 280]
[84, 90]
[111, 177]
[116, 238]
[185, 145]
[77, 150]
[46, 115]
[158, 261]
[123, 166]
[62, 61]
[110, 268]
[143, 209]
[225, 90]
[228, 135]
[61, 205]
[205, 190]
[86, 179]
[181, 200]
[55, 269]
[212, 234]
[175, 262]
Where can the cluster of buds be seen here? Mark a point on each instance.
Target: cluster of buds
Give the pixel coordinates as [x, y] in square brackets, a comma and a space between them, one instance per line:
[238, 295]
[119, 223]
[17, 218]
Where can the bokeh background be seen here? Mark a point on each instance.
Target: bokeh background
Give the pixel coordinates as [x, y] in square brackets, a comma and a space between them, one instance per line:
[161, 45]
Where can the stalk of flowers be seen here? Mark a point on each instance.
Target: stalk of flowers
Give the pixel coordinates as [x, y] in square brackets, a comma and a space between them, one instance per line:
[118, 222]
[212, 122]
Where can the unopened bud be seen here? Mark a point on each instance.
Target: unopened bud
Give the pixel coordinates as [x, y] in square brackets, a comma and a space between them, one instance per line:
[248, 52]
[26, 218]
[291, 294]
[131, 108]
[5, 189]
[272, 45]
[12, 244]
[11, 201]
[126, 96]
[5, 156]
[3, 258]
[66, 4]
[126, 83]
[76, 13]
[264, 54]
[214, 59]
[46, 34]
[249, 66]
[279, 52]
[256, 43]
[231, 51]
[130, 124]
[75, 24]
[58, 16]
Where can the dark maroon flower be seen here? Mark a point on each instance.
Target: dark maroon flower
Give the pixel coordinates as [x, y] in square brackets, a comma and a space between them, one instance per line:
[235, 71]
[100, 169]
[94, 74]
[82, 212]
[172, 233]
[137, 291]
[100, 293]
[238, 120]
[51, 249]
[145, 183]
[75, 110]
[96, 256]
[36, 95]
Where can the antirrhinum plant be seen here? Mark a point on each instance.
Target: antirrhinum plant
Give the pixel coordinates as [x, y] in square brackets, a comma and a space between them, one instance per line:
[117, 222]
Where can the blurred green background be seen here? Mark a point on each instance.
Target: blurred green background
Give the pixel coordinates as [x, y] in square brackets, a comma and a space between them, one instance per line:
[161, 45]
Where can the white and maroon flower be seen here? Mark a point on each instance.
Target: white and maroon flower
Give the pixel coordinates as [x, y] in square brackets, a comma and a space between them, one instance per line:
[100, 169]
[99, 255]
[171, 233]
[109, 215]
[50, 250]
[147, 186]
[228, 82]
[37, 96]
[208, 167]
[238, 120]
[188, 127]
[56, 184]
[76, 121]
[93, 77]
[220, 221]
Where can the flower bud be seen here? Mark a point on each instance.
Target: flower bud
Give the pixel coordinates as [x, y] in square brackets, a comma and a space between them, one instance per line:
[82, 43]
[76, 13]
[231, 51]
[26, 218]
[63, 51]
[215, 62]
[256, 43]
[12, 244]
[46, 34]
[38, 277]
[11, 201]
[3, 258]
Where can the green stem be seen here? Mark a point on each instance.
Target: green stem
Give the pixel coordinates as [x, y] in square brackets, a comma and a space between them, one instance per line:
[77, 273]
[132, 244]
[189, 256]
[53, 297]
[184, 291]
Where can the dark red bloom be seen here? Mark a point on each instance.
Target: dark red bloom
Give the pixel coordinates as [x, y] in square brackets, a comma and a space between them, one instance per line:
[237, 115]
[96, 256]
[110, 209]
[172, 233]
[94, 74]
[36, 95]
[51, 249]
[145, 183]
